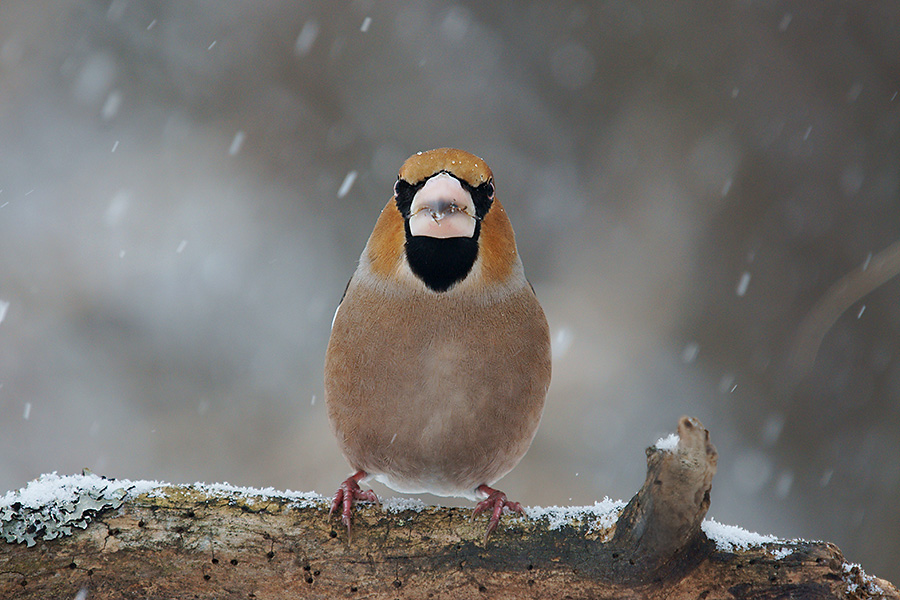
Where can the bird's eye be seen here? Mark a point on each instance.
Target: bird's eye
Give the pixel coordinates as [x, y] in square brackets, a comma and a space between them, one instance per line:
[396, 186]
[489, 189]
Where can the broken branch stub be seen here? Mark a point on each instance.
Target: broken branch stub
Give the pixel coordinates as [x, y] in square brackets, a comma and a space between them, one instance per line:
[662, 521]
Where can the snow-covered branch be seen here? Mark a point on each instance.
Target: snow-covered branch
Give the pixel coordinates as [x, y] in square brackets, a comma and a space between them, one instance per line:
[91, 537]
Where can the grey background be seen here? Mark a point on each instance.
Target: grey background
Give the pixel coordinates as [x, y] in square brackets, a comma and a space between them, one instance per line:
[686, 182]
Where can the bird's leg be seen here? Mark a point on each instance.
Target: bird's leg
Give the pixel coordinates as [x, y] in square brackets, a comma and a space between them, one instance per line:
[496, 501]
[347, 494]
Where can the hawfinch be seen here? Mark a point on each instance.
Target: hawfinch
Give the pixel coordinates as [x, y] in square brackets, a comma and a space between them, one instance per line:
[439, 358]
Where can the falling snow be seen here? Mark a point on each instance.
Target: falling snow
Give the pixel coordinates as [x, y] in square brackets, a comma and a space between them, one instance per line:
[690, 352]
[743, 283]
[347, 184]
[306, 38]
[236, 142]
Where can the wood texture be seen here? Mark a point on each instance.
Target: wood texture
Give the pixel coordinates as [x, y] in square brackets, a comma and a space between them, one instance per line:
[185, 542]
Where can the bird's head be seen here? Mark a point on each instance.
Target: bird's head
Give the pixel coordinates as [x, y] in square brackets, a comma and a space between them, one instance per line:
[444, 224]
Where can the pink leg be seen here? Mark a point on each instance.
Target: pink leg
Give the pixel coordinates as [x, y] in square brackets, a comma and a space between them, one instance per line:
[347, 494]
[496, 501]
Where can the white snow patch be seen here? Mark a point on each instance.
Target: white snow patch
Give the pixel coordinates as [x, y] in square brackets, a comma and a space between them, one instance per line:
[301, 499]
[729, 538]
[181, 246]
[49, 488]
[602, 515]
[4, 306]
[347, 184]
[781, 553]
[365, 24]
[857, 579]
[668, 443]
[26, 413]
[396, 505]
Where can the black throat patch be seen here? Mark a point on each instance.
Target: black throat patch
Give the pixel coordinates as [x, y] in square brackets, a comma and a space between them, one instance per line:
[442, 262]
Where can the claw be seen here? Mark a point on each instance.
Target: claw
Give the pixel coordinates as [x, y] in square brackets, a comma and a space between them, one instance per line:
[496, 501]
[347, 494]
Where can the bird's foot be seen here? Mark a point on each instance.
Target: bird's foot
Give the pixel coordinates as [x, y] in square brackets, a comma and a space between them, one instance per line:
[347, 494]
[496, 501]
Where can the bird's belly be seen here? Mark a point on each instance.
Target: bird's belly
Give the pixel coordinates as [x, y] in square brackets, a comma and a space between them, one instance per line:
[444, 424]
[429, 407]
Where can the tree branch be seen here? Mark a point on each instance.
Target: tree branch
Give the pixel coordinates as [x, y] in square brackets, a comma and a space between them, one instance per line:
[105, 539]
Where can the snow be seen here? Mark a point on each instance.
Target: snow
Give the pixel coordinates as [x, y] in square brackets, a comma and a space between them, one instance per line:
[561, 342]
[236, 142]
[52, 505]
[602, 515]
[726, 187]
[50, 488]
[690, 352]
[111, 105]
[743, 284]
[729, 538]
[668, 443]
[300, 499]
[347, 184]
[856, 578]
[306, 38]
[785, 21]
[781, 553]
[400, 504]
[4, 306]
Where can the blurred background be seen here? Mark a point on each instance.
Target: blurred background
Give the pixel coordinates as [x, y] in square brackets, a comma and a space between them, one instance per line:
[186, 188]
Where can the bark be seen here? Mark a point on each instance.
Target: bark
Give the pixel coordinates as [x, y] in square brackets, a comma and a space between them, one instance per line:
[195, 542]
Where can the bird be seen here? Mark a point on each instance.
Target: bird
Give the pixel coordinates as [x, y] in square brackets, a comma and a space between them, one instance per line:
[438, 363]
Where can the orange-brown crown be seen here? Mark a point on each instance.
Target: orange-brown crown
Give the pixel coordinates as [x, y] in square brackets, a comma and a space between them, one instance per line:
[496, 245]
[459, 163]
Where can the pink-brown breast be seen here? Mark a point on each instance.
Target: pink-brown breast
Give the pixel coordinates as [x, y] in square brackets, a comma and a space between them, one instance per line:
[436, 392]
